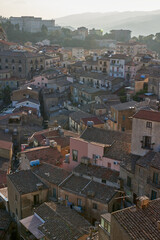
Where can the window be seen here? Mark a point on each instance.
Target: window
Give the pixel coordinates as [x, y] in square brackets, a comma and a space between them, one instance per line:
[20, 61]
[12, 60]
[36, 199]
[6, 60]
[102, 222]
[103, 181]
[106, 225]
[95, 206]
[66, 197]
[155, 178]
[128, 181]
[20, 69]
[153, 195]
[146, 142]
[79, 202]
[123, 129]
[75, 155]
[109, 165]
[123, 117]
[148, 124]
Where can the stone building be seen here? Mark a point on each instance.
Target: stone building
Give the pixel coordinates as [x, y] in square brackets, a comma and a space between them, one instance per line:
[54, 221]
[120, 116]
[136, 222]
[32, 24]
[23, 64]
[146, 132]
[25, 191]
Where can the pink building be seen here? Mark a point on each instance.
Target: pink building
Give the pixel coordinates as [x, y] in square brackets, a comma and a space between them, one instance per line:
[40, 81]
[131, 69]
[99, 147]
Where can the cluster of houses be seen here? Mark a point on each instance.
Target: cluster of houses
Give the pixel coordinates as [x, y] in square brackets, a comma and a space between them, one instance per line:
[76, 162]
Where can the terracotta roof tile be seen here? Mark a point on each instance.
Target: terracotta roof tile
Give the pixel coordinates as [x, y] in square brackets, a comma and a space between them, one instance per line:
[45, 154]
[61, 222]
[148, 115]
[25, 181]
[140, 223]
[51, 173]
[98, 172]
[102, 136]
[5, 145]
[94, 119]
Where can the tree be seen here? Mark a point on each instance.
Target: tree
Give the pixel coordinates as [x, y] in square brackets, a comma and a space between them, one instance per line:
[6, 95]
[44, 30]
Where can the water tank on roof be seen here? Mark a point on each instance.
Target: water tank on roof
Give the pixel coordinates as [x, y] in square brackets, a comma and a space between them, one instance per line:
[90, 124]
[34, 163]
[143, 76]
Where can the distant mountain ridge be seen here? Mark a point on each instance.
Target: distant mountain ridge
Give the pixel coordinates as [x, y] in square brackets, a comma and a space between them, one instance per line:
[140, 23]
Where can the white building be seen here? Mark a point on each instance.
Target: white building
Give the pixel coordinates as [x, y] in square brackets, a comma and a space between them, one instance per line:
[32, 24]
[30, 103]
[117, 66]
[78, 53]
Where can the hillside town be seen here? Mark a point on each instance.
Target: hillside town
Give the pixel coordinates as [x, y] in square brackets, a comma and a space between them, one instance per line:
[79, 137]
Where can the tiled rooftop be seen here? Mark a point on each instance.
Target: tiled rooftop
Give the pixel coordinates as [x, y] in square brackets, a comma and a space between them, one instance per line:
[45, 154]
[77, 116]
[81, 186]
[119, 150]
[96, 120]
[5, 145]
[148, 115]
[150, 159]
[51, 173]
[104, 136]
[125, 106]
[140, 223]
[61, 222]
[98, 172]
[25, 181]
[5, 221]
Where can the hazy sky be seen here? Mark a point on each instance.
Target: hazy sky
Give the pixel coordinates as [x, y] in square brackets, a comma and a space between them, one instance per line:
[58, 8]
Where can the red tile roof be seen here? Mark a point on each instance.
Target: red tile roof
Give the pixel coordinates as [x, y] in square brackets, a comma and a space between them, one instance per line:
[148, 115]
[94, 119]
[7, 43]
[139, 223]
[62, 141]
[5, 145]
[47, 133]
[45, 154]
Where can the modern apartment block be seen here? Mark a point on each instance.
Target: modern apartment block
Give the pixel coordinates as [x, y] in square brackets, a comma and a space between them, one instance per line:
[32, 24]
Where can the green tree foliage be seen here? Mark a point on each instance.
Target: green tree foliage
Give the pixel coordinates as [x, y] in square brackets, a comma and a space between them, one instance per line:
[6, 95]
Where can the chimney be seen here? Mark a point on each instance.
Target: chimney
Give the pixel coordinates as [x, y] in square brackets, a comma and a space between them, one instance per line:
[142, 202]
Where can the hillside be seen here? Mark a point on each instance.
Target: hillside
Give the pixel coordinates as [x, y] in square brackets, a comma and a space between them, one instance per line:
[141, 23]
